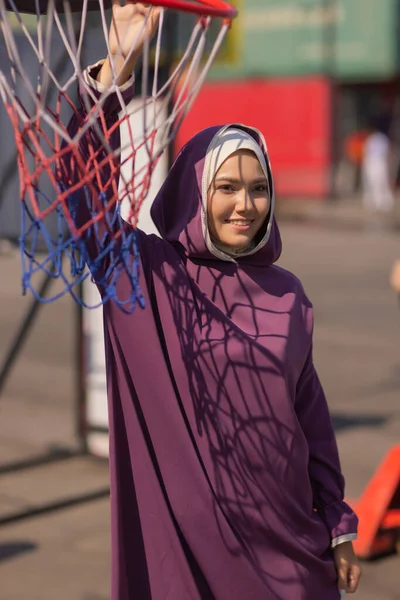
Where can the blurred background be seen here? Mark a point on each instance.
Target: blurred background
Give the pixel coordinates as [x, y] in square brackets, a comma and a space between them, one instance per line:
[315, 76]
[320, 78]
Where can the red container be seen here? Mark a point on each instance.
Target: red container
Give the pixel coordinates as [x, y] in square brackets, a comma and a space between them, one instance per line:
[294, 116]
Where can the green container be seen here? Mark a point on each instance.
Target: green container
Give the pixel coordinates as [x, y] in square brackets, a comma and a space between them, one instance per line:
[352, 39]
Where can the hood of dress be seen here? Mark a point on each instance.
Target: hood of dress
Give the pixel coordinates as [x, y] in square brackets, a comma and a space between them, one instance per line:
[180, 209]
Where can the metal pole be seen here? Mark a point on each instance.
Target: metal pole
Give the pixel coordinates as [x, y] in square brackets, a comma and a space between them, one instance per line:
[80, 374]
[24, 329]
[330, 55]
[27, 322]
[54, 454]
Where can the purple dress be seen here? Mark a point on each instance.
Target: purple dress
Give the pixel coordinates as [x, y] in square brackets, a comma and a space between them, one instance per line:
[225, 476]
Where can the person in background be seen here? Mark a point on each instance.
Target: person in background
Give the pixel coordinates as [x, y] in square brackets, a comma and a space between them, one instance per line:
[376, 184]
[354, 152]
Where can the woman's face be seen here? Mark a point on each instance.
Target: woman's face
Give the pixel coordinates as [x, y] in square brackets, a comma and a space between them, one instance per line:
[238, 201]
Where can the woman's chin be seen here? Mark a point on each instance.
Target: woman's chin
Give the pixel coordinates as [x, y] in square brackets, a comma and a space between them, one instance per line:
[237, 242]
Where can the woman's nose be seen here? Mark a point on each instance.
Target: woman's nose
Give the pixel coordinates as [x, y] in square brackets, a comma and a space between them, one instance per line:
[243, 201]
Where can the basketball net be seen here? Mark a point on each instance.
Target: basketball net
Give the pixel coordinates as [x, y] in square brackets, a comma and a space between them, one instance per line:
[41, 98]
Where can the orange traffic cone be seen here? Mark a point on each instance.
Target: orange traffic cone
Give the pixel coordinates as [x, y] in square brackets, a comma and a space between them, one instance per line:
[378, 510]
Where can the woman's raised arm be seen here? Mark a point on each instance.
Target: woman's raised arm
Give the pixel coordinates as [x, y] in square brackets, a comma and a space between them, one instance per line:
[130, 26]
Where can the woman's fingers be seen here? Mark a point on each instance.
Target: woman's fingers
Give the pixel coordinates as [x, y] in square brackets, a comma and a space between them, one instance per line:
[343, 578]
[349, 578]
[354, 576]
[347, 567]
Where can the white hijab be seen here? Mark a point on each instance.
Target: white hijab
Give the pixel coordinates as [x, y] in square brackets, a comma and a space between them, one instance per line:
[228, 141]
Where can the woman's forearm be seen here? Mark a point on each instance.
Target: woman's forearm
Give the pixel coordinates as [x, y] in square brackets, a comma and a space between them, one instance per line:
[131, 25]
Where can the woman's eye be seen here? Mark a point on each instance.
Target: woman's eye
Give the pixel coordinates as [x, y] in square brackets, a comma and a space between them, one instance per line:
[261, 188]
[226, 187]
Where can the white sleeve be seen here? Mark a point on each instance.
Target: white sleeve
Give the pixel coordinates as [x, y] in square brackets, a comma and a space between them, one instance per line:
[99, 87]
[348, 537]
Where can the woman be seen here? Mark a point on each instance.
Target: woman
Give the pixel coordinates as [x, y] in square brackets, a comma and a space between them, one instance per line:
[225, 477]
[377, 187]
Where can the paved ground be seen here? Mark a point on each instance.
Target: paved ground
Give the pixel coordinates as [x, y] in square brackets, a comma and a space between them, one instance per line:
[65, 555]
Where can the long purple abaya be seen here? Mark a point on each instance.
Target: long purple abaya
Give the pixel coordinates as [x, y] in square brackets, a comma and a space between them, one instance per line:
[225, 476]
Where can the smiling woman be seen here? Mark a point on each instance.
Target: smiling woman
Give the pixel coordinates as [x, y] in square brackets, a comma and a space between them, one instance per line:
[226, 480]
[237, 194]
[238, 201]
[213, 394]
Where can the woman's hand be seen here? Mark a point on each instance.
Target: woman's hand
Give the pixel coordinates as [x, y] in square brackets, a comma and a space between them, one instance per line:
[129, 29]
[347, 566]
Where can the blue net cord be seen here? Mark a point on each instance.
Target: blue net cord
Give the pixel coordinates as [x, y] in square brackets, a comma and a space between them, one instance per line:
[58, 253]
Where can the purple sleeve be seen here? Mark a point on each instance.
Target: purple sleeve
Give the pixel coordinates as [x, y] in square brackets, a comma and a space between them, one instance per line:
[90, 153]
[324, 468]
